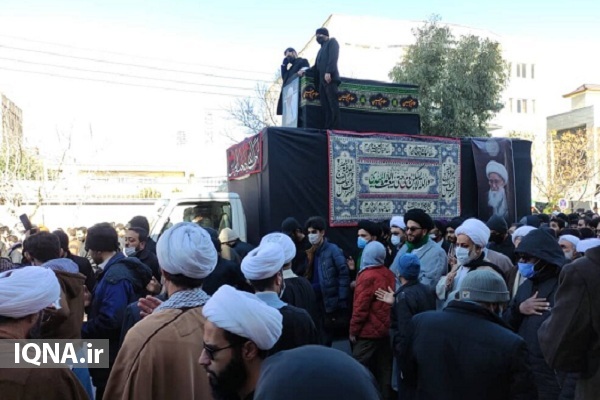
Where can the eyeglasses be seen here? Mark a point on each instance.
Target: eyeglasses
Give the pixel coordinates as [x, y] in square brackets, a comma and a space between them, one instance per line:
[413, 228]
[211, 351]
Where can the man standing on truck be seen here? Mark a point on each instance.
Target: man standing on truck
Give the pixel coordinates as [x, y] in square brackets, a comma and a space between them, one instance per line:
[328, 273]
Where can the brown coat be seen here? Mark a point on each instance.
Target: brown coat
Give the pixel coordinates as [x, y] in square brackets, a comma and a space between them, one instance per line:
[39, 383]
[570, 337]
[159, 359]
[66, 323]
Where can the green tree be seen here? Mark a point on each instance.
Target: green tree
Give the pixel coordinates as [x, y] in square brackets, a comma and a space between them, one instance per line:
[460, 80]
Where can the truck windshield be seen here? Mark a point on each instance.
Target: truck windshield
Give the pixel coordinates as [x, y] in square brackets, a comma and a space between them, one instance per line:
[207, 214]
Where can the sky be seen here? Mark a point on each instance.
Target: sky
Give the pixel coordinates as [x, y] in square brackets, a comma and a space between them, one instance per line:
[210, 52]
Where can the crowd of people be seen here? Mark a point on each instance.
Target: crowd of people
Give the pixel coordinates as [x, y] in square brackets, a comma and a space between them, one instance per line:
[459, 309]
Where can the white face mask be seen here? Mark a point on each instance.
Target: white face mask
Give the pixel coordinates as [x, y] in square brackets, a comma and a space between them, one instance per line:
[129, 251]
[314, 238]
[462, 255]
[395, 240]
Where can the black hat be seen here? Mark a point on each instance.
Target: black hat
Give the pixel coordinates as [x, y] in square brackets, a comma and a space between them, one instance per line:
[322, 31]
[371, 227]
[289, 225]
[455, 222]
[498, 224]
[531, 220]
[420, 217]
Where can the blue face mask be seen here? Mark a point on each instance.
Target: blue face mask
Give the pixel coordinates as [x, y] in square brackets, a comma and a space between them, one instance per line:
[526, 270]
[361, 242]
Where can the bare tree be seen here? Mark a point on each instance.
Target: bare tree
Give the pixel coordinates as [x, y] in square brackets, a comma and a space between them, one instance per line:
[257, 112]
[571, 170]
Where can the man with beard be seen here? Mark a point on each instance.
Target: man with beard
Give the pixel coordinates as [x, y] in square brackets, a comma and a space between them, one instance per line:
[568, 244]
[431, 256]
[497, 178]
[135, 246]
[291, 65]
[263, 268]
[24, 294]
[239, 331]
[296, 290]
[500, 239]
[163, 347]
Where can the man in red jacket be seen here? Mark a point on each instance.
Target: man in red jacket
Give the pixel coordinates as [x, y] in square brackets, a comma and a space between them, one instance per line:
[370, 323]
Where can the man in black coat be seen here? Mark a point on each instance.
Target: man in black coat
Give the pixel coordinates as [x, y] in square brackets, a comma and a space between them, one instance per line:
[327, 75]
[225, 273]
[263, 268]
[291, 227]
[83, 263]
[409, 300]
[466, 351]
[500, 240]
[291, 65]
[142, 222]
[540, 260]
[136, 240]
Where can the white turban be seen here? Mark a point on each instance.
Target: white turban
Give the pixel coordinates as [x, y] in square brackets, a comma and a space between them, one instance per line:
[574, 240]
[243, 314]
[476, 230]
[587, 244]
[228, 235]
[398, 221]
[497, 168]
[286, 243]
[187, 249]
[27, 291]
[522, 232]
[263, 262]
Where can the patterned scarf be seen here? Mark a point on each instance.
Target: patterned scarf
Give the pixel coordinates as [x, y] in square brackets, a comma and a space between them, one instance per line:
[185, 299]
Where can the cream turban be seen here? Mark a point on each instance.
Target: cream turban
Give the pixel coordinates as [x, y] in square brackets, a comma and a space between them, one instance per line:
[476, 230]
[587, 244]
[574, 240]
[263, 262]
[228, 235]
[522, 231]
[497, 168]
[187, 249]
[27, 291]
[286, 243]
[398, 221]
[243, 314]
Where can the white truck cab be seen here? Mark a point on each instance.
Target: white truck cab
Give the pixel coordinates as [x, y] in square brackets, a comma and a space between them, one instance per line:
[215, 210]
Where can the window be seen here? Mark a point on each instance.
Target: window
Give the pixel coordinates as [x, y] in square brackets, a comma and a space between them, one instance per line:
[532, 71]
[521, 70]
[510, 105]
[524, 106]
[519, 106]
[533, 106]
[509, 69]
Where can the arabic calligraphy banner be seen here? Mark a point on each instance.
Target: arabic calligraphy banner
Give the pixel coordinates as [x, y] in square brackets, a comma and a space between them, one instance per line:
[244, 158]
[376, 175]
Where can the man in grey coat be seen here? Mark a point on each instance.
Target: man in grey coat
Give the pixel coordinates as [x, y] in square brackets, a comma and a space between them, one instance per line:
[431, 256]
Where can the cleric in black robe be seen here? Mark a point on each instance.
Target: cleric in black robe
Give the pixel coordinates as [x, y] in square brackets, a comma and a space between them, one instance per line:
[291, 65]
[263, 269]
[298, 292]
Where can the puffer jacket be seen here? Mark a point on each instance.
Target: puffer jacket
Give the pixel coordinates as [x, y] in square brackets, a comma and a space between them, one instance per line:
[122, 282]
[371, 317]
[334, 276]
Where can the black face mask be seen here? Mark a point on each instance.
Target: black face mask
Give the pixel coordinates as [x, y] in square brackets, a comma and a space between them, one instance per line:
[496, 238]
[320, 40]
